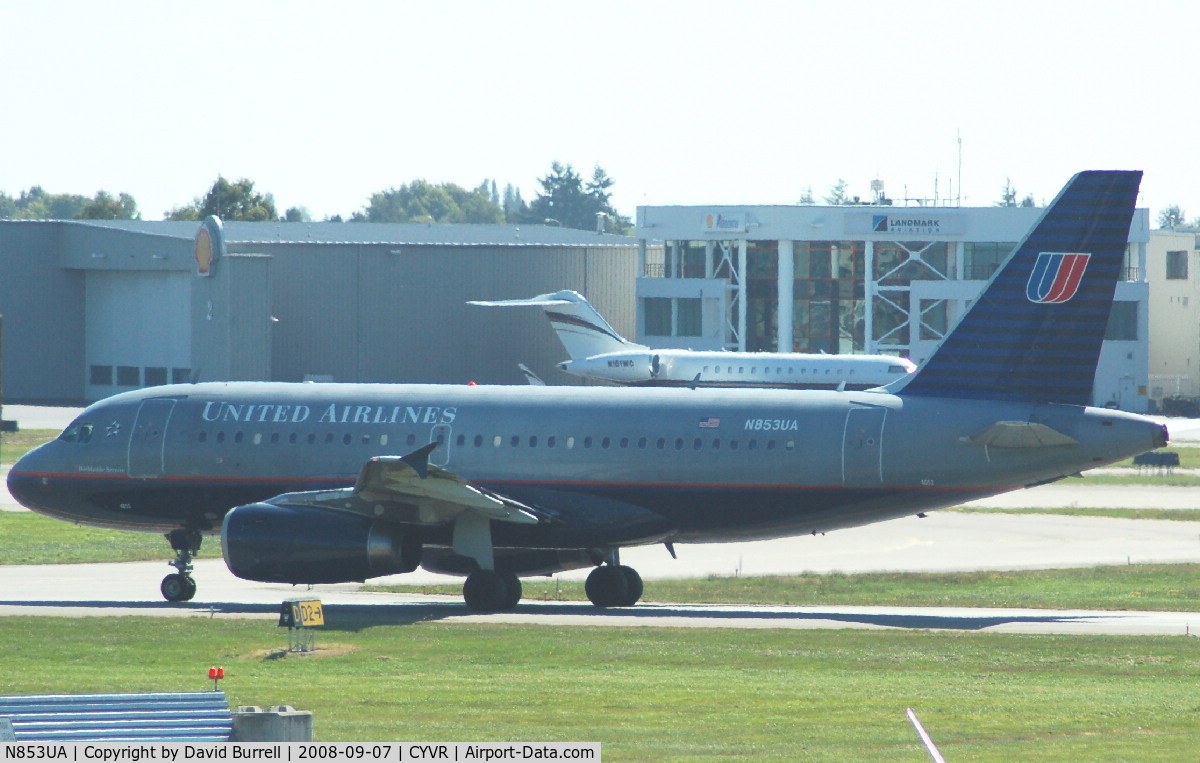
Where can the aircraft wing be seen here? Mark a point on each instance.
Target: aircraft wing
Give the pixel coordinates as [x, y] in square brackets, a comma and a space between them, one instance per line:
[410, 490]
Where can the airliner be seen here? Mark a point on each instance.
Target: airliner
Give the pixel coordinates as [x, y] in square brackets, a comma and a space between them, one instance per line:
[598, 351]
[330, 483]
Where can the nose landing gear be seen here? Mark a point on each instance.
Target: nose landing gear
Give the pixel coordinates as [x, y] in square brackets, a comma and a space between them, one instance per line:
[180, 586]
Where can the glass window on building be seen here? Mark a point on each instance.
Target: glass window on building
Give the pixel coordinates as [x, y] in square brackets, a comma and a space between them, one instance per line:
[934, 320]
[658, 316]
[1177, 266]
[982, 258]
[1123, 322]
[101, 376]
[898, 263]
[690, 317]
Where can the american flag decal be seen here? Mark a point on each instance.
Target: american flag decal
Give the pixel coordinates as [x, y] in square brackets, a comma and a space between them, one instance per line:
[712, 422]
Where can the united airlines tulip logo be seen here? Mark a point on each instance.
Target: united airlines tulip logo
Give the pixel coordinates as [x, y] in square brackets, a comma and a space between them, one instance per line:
[1056, 277]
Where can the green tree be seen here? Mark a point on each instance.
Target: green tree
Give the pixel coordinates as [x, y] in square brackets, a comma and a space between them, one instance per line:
[567, 201]
[423, 202]
[806, 198]
[229, 201]
[104, 206]
[837, 194]
[1172, 217]
[1008, 197]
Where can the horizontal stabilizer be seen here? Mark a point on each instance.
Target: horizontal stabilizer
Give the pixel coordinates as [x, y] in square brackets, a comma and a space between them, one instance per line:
[1021, 434]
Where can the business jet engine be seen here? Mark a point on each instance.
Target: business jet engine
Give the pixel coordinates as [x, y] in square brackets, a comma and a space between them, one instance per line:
[282, 543]
[626, 367]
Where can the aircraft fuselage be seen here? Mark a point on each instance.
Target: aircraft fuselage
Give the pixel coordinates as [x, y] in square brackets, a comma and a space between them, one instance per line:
[718, 465]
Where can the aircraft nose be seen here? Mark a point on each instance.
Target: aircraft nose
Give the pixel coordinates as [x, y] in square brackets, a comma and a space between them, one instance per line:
[26, 478]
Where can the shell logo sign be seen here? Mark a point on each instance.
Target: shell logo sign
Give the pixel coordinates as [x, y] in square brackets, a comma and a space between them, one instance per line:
[210, 245]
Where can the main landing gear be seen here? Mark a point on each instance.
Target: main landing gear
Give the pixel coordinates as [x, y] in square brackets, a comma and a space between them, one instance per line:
[613, 585]
[180, 586]
[492, 591]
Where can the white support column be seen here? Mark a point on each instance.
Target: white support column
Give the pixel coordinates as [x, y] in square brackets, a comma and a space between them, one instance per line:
[869, 297]
[785, 282]
[742, 295]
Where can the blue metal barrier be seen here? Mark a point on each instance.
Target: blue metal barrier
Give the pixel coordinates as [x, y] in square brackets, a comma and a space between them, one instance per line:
[152, 717]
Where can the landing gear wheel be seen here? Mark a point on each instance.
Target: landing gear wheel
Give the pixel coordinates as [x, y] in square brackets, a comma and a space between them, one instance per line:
[180, 586]
[177, 587]
[607, 587]
[491, 591]
[634, 586]
[513, 585]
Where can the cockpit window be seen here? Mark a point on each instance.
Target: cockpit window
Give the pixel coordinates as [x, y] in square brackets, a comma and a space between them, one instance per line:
[77, 432]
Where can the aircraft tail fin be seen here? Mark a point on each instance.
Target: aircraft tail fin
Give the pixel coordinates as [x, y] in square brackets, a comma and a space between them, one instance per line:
[1035, 332]
[581, 329]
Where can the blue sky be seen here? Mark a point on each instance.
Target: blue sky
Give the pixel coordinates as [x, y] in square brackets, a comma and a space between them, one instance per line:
[322, 104]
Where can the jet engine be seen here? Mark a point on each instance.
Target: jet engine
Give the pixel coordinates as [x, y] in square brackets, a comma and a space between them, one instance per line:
[282, 543]
[626, 367]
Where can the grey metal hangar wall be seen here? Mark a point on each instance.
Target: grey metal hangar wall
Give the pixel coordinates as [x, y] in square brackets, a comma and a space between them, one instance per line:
[96, 308]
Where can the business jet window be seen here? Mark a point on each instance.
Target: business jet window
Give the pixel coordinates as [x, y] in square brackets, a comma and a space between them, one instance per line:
[697, 444]
[624, 443]
[514, 441]
[202, 437]
[570, 443]
[550, 441]
[460, 441]
[220, 437]
[587, 442]
[716, 443]
[312, 438]
[411, 440]
[478, 440]
[239, 436]
[605, 442]
[497, 441]
[77, 433]
[347, 439]
[533, 441]
[733, 444]
[641, 443]
[790, 445]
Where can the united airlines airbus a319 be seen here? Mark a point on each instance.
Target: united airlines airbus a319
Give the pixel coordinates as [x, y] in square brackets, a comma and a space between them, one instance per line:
[325, 483]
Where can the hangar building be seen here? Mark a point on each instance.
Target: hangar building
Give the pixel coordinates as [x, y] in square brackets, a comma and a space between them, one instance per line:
[867, 278]
[92, 308]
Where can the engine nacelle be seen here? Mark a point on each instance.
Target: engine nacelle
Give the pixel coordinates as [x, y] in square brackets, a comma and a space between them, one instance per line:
[282, 543]
[624, 367]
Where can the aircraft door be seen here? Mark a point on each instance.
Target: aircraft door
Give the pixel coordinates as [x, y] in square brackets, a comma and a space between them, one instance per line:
[862, 447]
[441, 454]
[148, 438]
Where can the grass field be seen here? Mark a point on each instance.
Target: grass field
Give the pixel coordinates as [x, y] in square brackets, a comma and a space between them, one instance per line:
[668, 694]
[659, 694]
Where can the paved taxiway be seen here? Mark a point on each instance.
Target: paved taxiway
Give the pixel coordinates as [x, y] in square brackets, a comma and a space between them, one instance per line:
[943, 541]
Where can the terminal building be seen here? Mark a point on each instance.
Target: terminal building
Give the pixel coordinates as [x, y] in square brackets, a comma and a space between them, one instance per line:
[868, 278]
[93, 308]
